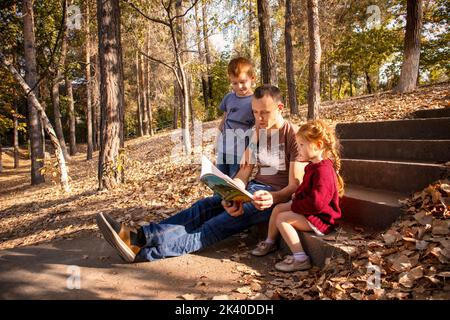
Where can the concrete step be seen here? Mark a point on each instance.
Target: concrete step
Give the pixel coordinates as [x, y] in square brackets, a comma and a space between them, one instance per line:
[433, 113]
[341, 243]
[437, 151]
[404, 177]
[432, 128]
[371, 209]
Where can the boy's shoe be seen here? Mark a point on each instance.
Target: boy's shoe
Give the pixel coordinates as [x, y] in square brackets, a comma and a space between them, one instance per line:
[289, 264]
[263, 248]
[119, 236]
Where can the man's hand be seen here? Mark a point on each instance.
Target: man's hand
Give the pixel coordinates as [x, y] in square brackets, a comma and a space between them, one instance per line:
[263, 199]
[233, 208]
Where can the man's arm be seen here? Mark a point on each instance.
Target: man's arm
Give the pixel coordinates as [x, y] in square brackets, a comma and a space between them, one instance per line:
[265, 199]
[245, 170]
[296, 173]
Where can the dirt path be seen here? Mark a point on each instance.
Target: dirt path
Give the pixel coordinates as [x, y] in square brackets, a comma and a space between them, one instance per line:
[44, 272]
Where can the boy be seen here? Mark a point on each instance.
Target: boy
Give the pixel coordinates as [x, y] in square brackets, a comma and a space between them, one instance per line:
[238, 117]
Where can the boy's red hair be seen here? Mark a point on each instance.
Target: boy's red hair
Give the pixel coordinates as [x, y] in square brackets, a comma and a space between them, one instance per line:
[240, 65]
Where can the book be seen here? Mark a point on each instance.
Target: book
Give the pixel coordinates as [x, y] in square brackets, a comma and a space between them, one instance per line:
[222, 184]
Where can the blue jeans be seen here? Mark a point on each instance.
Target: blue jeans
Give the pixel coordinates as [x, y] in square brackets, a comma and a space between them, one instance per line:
[228, 164]
[203, 224]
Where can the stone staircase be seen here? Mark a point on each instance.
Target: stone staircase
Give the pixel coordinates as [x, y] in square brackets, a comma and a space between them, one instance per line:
[382, 162]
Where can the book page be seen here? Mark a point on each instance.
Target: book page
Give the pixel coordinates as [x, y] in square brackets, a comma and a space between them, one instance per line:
[208, 168]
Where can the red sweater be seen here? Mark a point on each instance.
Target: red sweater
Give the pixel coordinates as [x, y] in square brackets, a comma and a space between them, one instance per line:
[317, 197]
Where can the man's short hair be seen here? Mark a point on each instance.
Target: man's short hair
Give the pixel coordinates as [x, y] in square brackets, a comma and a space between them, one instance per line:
[268, 90]
[240, 65]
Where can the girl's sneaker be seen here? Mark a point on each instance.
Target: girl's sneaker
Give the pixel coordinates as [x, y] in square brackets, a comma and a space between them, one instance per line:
[289, 264]
[263, 248]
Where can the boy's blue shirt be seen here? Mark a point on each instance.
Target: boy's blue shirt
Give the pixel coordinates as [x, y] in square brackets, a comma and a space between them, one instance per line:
[239, 116]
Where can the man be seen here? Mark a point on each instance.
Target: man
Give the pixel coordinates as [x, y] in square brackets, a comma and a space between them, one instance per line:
[210, 220]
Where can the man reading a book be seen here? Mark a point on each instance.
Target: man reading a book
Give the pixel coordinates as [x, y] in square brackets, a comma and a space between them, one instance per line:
[273, 149]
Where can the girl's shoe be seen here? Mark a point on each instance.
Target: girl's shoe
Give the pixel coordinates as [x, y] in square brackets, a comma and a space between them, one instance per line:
[289, 264]
[263, 248]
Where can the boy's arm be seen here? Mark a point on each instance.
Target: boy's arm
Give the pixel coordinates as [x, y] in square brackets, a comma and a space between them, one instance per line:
[222, 122]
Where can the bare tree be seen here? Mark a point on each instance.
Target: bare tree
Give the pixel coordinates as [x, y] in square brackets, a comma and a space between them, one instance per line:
[138, 99]
[201, 54]
[110, 168]
[143, 99]
[411, 55]
[178, 68]
[64, 178]
[16, 138]
[251, 27]
[148, 83]
[207, 50]
[268, 63]
[34, 124]
[315, 52]
[57, 82]
[290, 74]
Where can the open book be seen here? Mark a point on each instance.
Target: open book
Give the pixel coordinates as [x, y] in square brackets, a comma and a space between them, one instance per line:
[222, 184]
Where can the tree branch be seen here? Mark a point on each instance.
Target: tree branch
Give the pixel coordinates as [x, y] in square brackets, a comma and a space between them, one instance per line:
[174, 69]
[186, 12]
[145, 15]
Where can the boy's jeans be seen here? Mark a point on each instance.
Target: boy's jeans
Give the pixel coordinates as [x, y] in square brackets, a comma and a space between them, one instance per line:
[201, 225]
[228, 164]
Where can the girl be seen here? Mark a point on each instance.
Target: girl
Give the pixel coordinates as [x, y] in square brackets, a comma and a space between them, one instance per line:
[315, 204]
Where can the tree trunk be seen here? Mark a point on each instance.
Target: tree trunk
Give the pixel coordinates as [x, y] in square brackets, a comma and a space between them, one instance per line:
[350, 79]
[16, 139]
[268, 63]
[368, 82]
[207, 51]
[177, 38]
[142, 78]
[88, 85]
[251, 34]
[411, 53]
[330, 81]
[176, 104]
[110, 168]
[55, 91]
[138, 99]
[34, 125]
[314, 59]
[64, 179]
[290, 77]
[148, 84]
[96, 103]
[71, 109]
[1, 162]
[201, 55]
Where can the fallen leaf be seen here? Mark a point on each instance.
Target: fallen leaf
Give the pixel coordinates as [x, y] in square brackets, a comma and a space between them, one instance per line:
[188, 296]
[221, 297]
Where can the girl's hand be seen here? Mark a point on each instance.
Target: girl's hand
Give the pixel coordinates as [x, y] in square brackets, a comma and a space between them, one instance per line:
[233, 208]
[293, 196]
[262, 200]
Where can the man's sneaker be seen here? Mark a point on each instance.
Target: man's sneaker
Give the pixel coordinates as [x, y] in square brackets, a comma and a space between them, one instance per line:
[289, 264]
[119, 236]
[264, 248]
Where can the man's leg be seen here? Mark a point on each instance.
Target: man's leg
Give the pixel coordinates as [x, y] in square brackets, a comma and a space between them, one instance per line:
[184, 221]
[181, 241]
